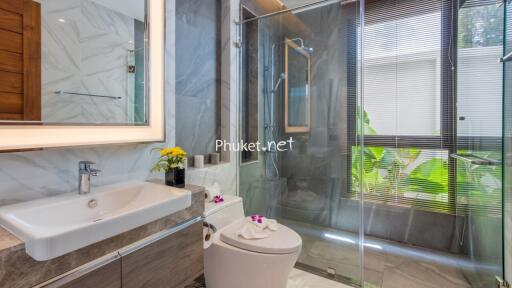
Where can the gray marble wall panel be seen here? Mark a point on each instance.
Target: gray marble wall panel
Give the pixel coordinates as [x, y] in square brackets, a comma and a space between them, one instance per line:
[85, 49]
[197, 69]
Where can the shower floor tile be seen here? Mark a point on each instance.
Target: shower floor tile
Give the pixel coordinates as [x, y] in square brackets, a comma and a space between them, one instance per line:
[302, 279]
[388, 264]
[412, 274]
[297, 279]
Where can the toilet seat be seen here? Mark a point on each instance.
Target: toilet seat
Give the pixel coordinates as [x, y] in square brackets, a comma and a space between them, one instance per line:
[282, 241]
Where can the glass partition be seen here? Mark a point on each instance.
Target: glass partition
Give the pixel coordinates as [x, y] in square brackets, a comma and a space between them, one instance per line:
[398, 182]
[306, 81]
[478, 159]
[433, 143]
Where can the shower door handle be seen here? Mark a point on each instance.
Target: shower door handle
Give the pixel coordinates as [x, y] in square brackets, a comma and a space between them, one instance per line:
[506, 58]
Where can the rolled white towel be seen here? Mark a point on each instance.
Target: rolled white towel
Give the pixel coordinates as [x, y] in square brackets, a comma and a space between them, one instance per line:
[211, 192]
[257, 227]
[262, 222]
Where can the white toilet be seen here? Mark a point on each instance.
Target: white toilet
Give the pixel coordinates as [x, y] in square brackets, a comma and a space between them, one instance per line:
[233, 262]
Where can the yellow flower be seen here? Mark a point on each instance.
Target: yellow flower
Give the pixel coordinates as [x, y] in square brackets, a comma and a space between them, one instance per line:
[178, 152]
[174, 151]
[165, 151]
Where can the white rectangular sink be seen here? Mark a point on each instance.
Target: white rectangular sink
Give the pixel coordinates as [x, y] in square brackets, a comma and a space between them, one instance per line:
[55, 226]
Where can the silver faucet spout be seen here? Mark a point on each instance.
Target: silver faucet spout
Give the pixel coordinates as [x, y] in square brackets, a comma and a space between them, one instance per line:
[85, 171]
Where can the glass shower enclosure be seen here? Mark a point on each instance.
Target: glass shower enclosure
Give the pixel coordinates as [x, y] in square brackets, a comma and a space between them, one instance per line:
[300, 80]
[396, 176]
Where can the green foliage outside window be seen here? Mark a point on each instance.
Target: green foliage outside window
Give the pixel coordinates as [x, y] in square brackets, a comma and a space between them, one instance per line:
[480, 26]
[403, 175]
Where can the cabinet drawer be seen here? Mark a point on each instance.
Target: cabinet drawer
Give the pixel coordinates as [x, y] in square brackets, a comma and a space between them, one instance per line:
[105, 276]
[173, 261]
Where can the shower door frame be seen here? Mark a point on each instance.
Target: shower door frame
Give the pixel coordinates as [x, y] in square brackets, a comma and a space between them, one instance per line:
[506, 207]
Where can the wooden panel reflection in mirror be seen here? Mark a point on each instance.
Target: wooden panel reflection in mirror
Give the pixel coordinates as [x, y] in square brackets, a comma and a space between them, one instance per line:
[20, 60]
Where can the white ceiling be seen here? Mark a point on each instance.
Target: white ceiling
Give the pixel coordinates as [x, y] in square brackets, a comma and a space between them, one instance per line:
[131, 8]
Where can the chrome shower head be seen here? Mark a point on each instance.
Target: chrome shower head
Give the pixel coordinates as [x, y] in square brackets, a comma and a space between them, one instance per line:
[308, 50]
[304, 48]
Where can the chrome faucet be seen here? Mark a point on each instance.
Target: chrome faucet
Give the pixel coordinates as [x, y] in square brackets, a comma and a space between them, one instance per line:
[84, 176]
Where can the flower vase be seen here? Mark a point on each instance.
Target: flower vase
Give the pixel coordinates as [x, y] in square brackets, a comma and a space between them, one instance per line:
[175, 177]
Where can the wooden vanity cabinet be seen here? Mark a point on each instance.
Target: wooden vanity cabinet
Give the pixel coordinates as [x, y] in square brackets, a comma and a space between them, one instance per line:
[173, 261]
[170, 262]
[107, 276]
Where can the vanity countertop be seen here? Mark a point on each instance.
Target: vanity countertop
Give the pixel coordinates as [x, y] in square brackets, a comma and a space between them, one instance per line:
[8, 241]
[18, 269]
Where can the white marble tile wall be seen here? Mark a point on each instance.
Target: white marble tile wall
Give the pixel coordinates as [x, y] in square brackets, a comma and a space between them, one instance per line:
[31, 175]
[85, 49]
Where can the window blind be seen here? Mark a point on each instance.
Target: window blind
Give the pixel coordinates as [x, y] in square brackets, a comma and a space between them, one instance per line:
[413, 107]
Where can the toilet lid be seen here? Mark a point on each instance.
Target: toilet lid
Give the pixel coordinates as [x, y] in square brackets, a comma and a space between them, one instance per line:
[282, 241]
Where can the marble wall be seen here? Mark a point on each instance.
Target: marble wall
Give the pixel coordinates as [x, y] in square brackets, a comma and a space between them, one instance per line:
[86, 49]
[197, 74]
[31, 175]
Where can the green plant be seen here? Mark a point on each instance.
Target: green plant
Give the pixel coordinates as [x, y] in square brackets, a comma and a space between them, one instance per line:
[412, 172]
[480, 185]
[170, 158]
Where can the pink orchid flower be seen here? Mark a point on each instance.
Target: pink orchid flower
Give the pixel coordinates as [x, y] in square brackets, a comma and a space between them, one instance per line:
[218, 199]
[257, 218]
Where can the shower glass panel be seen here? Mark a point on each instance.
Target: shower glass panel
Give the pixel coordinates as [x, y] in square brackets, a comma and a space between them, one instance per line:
[309, 187]
[432, 181]
[478, 157]
[399, 183]
[408, 84]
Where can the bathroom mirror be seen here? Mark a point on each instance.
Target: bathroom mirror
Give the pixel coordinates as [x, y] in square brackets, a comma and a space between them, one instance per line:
[297, 88]
[81, 72]
[71, 62]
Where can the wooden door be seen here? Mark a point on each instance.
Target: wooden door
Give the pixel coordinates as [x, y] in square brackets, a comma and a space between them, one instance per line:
[20, 60]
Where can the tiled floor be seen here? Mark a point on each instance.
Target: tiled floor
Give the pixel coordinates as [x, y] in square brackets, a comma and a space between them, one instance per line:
[297, 279]
[301, 279]
[387, 264]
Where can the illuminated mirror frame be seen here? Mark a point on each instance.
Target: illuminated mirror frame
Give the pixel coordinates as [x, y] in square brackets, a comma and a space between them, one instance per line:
[22, 137]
